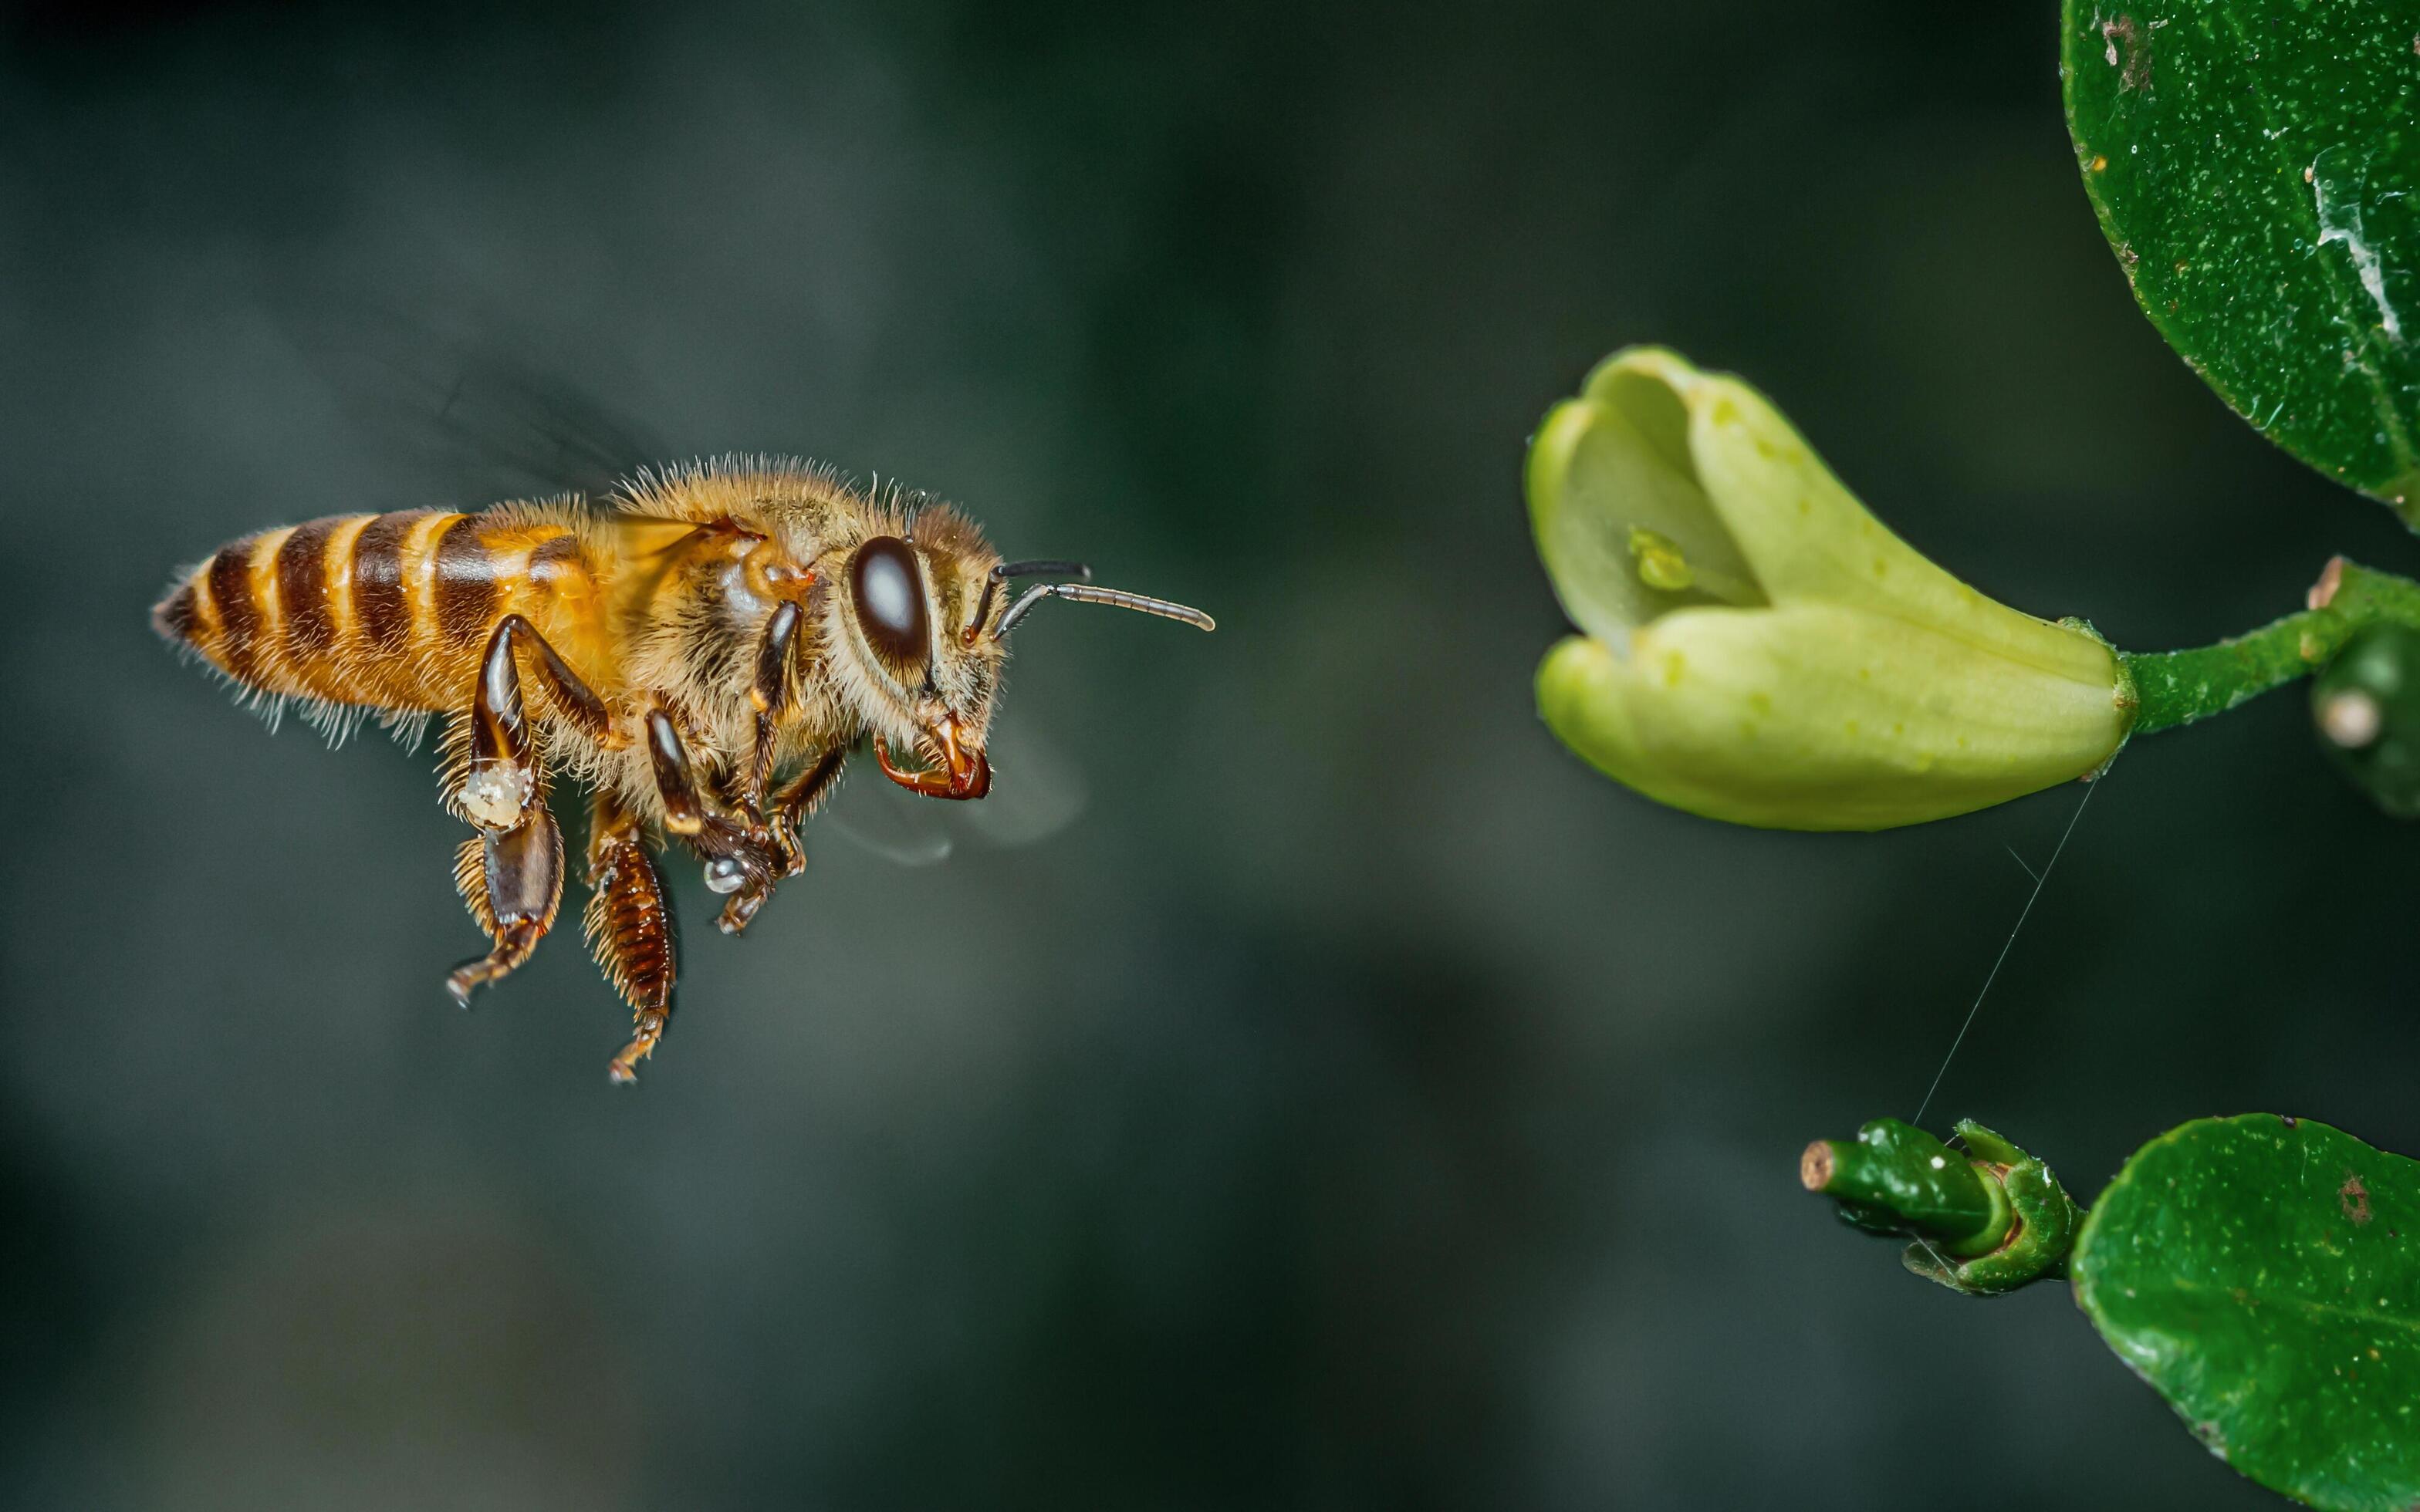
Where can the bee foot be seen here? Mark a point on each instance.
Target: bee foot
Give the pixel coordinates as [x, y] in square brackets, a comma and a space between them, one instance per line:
[624, 1070]
[740, 909]
[472, 975]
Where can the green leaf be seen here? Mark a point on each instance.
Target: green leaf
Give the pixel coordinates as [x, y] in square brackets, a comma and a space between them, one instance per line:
[2256, 165]
[2264, 1276]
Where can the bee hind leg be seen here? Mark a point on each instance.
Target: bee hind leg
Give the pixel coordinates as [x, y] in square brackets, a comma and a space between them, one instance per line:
[511, 872]
[629, 928]
[512, 880]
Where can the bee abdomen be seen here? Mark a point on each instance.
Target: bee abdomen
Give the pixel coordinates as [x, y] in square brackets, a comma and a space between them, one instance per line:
[384, 609]
[261, 609]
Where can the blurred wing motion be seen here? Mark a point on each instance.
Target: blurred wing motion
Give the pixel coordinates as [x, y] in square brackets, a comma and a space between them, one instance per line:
[450, 400]
[1038, 790]
[884, 820]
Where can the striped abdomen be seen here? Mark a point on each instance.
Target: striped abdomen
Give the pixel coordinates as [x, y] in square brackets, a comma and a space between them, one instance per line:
[390, 611]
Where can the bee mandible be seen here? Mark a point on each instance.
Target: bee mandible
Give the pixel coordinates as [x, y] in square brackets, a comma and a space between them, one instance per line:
[702, 654]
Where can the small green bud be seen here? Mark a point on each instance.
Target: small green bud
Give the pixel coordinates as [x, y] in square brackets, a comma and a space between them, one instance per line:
[1896, 1179]
[1987, 1220]
[1756, 647]
[2366, 705]
[2042, 1222]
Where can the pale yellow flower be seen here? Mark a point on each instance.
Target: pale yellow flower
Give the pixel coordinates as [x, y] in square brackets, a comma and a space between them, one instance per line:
[1756, 647]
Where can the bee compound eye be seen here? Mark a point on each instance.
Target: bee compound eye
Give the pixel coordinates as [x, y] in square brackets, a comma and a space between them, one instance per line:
[889, 593]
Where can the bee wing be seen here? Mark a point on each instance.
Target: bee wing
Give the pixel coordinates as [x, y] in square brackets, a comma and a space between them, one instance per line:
[1037, 791]
[461, 404]
[886, 820]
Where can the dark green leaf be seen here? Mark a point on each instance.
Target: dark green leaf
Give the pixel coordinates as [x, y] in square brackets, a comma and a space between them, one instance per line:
[2257, 166]
[2265, 1276]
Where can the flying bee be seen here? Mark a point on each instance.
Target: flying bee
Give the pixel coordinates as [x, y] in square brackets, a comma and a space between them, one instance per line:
[702, 654]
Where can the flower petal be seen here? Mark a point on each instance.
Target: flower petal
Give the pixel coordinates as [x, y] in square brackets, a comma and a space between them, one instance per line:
[1607, 472]
[1808, 537]
[1818, 716]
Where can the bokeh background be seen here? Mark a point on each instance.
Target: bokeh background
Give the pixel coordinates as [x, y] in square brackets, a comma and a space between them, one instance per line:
[1360, 1105]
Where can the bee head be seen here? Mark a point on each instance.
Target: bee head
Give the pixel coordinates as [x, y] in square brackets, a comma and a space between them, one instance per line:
[925, 629]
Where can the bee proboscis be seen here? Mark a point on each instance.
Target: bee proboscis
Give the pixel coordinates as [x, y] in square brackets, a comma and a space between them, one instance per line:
[702, 656]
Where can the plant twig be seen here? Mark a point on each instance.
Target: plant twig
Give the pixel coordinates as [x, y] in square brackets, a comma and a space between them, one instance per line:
[2176, 687]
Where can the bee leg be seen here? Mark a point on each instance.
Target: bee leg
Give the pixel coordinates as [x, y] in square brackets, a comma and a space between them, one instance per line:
[511, 872]
[768, 692]
[796, 800]
[572, 699]
[513, 881]
[501, 777]
[629, 927]
[741, 856]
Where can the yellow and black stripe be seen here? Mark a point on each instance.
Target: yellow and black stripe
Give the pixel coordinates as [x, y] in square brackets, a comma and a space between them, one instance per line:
[387, 611]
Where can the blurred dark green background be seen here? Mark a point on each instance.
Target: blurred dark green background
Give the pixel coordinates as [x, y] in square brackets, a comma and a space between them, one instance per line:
[1361, 1104]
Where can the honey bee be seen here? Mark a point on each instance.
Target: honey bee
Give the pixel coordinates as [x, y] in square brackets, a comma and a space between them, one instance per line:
[701, 654]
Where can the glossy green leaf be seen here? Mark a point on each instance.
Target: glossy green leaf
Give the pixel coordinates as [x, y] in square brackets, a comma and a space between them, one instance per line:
[2256, 165]
[2264, 1276]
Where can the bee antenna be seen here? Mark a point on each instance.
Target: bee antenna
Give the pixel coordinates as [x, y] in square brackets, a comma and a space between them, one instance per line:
[1115, 598]
[1040, 567]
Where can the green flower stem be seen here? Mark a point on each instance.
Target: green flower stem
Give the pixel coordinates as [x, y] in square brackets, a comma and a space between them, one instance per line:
[2175, 687]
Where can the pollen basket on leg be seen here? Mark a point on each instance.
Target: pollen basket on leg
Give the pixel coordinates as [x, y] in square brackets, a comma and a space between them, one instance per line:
[495, 793]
